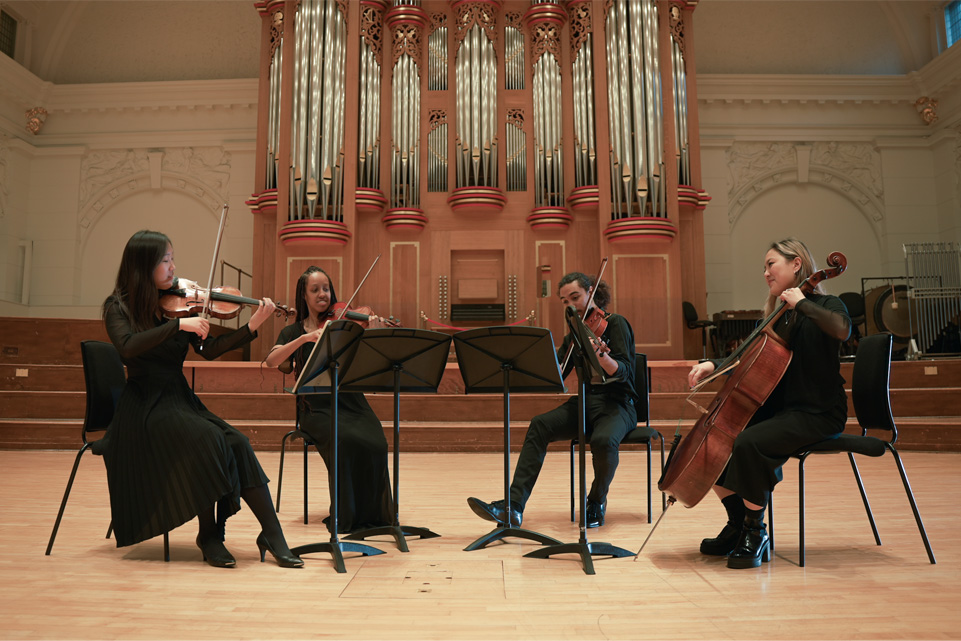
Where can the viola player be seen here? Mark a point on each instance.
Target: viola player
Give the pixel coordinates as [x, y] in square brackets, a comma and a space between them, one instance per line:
[807, 406]
[610, 412]
[168, 458]
[363, 480]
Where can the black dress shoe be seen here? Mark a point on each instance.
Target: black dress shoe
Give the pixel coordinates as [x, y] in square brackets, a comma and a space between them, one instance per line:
[215, 553]
[752, 547]
[722, 544]
[495, 511]
[595, 513]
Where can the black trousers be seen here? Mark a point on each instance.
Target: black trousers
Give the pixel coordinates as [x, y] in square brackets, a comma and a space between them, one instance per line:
[608, 422]
[762, 448]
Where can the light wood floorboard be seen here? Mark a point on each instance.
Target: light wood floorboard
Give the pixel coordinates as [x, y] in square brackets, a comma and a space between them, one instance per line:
[851, 588]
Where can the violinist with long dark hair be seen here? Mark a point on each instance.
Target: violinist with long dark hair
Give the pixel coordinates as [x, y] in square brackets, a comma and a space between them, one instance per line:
[168, 457]
[610, 412]
[807, 406]
[363, 481]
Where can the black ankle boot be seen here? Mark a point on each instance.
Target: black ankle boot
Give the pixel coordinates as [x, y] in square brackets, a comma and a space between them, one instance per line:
[723, 544]
[754, 545]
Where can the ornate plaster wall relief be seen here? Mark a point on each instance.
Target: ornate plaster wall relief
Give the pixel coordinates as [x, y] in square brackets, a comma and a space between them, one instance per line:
[107, 176]
[851, 169]
[860, 161]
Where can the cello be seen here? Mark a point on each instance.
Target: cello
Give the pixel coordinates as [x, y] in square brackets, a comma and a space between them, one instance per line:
[696, 462]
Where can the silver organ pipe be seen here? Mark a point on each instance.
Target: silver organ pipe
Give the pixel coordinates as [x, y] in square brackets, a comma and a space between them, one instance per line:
[317, 121]
[679, 75]
[582, 75]
[475, 87]
[548, 124]
[635, 110]
[275, 76]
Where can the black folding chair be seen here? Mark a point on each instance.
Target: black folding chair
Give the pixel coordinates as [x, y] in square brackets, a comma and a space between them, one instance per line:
[104, 377]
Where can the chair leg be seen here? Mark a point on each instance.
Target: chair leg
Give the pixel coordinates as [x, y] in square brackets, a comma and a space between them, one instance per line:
[280, 473]
[572, 481]
[864, 499]
[109, 529]
[166, 547]
[663, 495]
[66, 495]
[305, 481]
[914, 505]
[801, 507]
[650, 507]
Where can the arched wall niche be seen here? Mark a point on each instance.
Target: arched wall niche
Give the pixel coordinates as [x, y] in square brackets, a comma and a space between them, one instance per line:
[824, 218]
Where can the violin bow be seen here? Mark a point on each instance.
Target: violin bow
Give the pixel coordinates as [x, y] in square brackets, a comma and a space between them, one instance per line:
[362, 281]
[587, 309]
[213, 263]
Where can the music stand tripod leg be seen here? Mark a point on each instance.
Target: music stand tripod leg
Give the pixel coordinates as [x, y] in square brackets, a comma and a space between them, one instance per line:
[396, 530]
[501, 531]
[335, 546]
[583, 548]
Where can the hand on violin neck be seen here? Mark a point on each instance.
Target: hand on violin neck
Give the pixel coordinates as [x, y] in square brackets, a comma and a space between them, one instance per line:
[263, 312]
[196, 324]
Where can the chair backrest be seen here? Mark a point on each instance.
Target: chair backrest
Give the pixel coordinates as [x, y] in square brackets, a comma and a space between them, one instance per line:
[642, 387]
[105, 378]
[855, 304]
[870, 383]
[690, 313]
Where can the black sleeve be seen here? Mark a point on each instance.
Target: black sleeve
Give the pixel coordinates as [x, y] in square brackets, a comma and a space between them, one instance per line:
[831, 318]
[131, 343]
[215, 346]
[620, 338]
[287, 334]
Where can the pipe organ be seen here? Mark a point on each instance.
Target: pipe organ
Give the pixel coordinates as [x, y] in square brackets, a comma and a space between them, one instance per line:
[476, 145]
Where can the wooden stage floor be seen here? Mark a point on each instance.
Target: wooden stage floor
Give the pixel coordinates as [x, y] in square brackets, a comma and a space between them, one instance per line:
[851, 588]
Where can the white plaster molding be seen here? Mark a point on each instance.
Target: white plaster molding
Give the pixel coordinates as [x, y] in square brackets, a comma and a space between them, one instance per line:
[803, 89]
[109, 176]
[840, 167]
[138, 96]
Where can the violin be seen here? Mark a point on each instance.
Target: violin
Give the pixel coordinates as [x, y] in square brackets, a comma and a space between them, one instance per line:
[185, 299]
[361, 315]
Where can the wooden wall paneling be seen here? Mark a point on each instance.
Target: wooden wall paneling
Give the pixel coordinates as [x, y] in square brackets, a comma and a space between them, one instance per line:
[641, 285]
[549, 254]
[404, 301]
[690, 237]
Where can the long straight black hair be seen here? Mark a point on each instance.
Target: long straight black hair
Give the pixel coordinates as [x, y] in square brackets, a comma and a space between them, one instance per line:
[135, 291]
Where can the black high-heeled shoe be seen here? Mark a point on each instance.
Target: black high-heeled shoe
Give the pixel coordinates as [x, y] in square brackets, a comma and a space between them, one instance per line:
[215, 553]
[283, 560]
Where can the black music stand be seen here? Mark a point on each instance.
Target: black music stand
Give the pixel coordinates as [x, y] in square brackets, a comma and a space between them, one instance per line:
[501, 359]
[397, 360]
[320, 375]
[585, 361]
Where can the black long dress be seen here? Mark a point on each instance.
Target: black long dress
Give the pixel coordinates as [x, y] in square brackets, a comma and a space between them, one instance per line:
[364, 497]
[168, 457]
[807, 406]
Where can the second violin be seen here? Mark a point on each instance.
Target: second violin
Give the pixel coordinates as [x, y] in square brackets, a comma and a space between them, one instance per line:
[186, 298]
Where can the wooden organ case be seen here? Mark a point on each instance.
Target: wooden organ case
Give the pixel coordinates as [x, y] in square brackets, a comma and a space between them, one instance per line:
[483, 148]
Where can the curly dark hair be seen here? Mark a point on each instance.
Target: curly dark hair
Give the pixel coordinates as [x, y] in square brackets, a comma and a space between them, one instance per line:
[602, 297]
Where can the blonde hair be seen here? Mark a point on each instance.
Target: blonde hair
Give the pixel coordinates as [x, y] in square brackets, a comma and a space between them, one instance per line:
[792, 248]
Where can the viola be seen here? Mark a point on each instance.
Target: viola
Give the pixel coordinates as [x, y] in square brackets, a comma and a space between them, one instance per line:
[187, 299]
[696, 462]
[361, 315]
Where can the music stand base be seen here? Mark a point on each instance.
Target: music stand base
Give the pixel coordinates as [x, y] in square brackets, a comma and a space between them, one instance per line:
[501, 532]
[584, 549]
[396, 531]
[336, 550]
